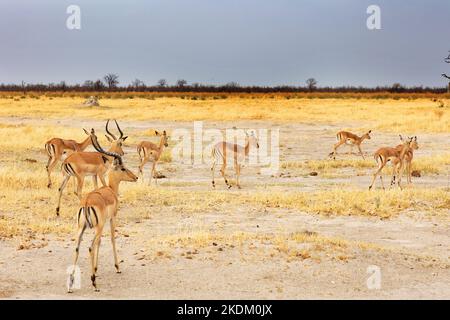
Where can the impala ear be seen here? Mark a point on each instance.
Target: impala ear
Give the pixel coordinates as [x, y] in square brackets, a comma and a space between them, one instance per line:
[164, 132]
[415, 138]
[85, 131]
[109, 139]
[370, 131]
[401, 138]
[156, 133]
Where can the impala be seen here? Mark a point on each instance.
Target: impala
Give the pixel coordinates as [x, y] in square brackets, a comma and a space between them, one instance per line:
[349, 139]
[385, 154]
[149, 151]
[95, 164]
[97, 208]
[223, 150]
[408, 160]
[55, 148]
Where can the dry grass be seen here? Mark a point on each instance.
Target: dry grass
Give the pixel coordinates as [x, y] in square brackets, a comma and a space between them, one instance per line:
[408, 116]
[28, 205]
[296, 245]
[428, 164]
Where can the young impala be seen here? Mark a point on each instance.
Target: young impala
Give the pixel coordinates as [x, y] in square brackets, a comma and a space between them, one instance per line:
[95, 164]
[223, 150]
[349, 139]
[408, 160]
[97, 208]
[149, 151]
[55, 148]
[385, 154]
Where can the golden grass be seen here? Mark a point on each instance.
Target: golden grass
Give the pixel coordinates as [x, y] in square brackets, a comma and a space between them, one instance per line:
[434, 164]
[406, 116]
[295, 244]
[325, 202]
[28, 205]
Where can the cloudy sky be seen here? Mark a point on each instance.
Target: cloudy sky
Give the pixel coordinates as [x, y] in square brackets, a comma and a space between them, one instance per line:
[252, 42]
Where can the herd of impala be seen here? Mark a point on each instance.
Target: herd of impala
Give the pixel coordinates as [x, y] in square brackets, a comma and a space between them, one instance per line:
[100, 205]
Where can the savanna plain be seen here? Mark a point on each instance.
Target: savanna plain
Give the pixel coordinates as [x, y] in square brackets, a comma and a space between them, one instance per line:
[310, 230]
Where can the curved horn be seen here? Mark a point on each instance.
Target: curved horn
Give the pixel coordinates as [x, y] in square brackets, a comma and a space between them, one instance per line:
[107, 131]
[118, 128]
[100, 149]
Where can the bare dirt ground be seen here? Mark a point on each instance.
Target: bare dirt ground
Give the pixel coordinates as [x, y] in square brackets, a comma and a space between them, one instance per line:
[411, 250]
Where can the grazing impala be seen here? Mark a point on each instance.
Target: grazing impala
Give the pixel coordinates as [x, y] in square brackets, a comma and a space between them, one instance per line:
[385, 154]
[95, 164]
[349, 139]
[149, 151]
[55, 148]
[98, 207]
[223, 150]
[408, 160]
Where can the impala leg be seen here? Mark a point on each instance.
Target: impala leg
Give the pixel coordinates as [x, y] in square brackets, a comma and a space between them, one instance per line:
[113, 241]
[238, 174]
[80, 182]
[334, 152]
[93, 252]
[80, 232]
[222, 171]
[74, 185]
[50, 166]
[375, 176]
[141, 168]
[360, 152]
[408, 172]
[61, 189]
[152, 172]
[400, 173]
[213, 168]
[102, 179]
[94, 179]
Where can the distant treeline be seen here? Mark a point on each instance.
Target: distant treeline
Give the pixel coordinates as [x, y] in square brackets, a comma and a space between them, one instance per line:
[99, 86]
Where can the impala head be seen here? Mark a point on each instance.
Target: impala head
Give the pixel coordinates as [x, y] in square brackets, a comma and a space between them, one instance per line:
[413, 144]
[116, 143]
[118, 171]
[367, 134]
[164, 137]
[251, 139]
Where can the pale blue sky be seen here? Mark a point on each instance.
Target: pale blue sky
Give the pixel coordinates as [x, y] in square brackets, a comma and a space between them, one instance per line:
[252, 42]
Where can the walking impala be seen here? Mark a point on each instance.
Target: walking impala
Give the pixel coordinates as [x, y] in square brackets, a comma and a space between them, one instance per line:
[149, 151]
[349, 139]
[223, 150]
[55, 148]
[95, 164]
[97, 208]
[385, 154]
[408, 160]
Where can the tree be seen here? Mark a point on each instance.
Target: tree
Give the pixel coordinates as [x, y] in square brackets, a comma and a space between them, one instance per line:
[111, 80]
[63, 86]
[181, 83]
[397, 87]
[89, 84]
[98, 85]
[162, 83]
[447, 60]
[311, 83]
[137, 84]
